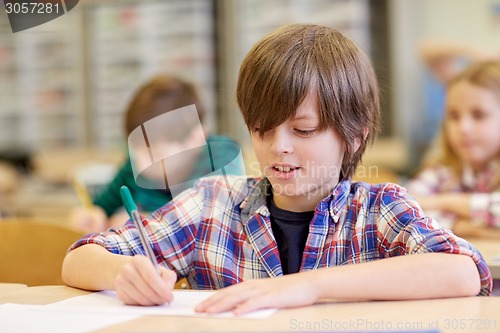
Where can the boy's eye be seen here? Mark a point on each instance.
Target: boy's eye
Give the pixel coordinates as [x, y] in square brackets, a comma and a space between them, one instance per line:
[303, 132]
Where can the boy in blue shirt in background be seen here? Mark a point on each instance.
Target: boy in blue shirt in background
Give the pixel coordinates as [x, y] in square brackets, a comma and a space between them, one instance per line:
[161, 94]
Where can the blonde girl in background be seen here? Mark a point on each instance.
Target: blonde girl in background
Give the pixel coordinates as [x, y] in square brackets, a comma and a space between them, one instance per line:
[460, 178]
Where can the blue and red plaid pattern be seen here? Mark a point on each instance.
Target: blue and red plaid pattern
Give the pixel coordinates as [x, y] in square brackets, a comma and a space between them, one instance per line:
[217, 238]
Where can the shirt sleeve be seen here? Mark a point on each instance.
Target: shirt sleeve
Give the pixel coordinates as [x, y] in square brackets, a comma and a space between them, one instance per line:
[171, 229]
[405, 230]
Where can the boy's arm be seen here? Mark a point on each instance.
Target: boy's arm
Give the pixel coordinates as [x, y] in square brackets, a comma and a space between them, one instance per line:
[83, 267]
[418, 260]
[430, 275]
[113, 259]
[135, 279]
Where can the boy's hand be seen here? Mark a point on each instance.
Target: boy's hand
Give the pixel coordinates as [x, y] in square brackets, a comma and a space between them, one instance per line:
[138, 283]
[283, 292]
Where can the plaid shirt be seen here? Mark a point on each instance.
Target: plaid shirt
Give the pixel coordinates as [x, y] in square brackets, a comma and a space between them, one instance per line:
[216, 237]
[484, 203]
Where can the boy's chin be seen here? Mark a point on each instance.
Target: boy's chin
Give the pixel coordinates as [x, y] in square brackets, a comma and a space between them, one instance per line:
[312, 191]
[290, 191]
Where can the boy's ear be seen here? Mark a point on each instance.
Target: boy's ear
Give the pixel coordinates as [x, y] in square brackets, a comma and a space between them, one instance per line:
[365, 133]
[357, 141]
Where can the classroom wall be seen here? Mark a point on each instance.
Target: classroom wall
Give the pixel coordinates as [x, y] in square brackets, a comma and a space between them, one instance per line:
[477, 22]
[238, 25]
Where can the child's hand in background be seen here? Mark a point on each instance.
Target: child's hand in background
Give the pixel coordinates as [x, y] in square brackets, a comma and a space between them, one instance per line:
[89, 220]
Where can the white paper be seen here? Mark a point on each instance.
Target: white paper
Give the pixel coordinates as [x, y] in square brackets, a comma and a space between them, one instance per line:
[21, 318]
[98, 310]
[183, 305]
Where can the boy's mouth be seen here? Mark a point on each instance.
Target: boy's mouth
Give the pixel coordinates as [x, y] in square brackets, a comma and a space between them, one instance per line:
[284, 171]
[287, 168]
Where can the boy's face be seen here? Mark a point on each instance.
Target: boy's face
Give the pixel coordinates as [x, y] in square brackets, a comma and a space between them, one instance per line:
[302, 163]
[472, 118]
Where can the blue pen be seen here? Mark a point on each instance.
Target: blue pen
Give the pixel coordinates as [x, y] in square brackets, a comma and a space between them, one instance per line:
[131, 208]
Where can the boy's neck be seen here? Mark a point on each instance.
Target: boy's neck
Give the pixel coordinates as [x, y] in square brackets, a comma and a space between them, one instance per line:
[291, 206]
[298, 203]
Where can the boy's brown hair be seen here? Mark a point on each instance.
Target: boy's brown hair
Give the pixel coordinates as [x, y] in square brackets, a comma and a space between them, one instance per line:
[162, 93]
[295, 60]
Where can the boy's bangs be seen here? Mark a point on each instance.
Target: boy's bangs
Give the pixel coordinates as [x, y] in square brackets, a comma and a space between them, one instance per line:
[279, 96]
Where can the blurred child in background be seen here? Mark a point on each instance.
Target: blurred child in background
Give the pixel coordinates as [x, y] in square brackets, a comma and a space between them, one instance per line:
[161, 94]
[443, 60]
[460, 179]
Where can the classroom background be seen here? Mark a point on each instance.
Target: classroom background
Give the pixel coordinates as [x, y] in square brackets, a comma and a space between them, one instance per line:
[64, 85]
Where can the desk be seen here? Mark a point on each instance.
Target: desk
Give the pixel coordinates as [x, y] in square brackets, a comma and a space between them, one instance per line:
[36, 295]
[490, 249]
[7, 287]
[445, 314]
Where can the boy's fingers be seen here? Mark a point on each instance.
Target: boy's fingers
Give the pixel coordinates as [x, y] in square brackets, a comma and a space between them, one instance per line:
[142, 284]
[151, 283]
[255, 303]
[212, 300]
[123, 295]
[226, 300]
[129, 293]
[168, 276]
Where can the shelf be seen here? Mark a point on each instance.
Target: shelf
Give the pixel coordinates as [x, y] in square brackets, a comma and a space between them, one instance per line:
[80, 73]
[183, 47]
[41, 82]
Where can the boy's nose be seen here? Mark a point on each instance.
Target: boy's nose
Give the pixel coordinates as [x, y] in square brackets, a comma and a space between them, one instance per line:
[281, 142]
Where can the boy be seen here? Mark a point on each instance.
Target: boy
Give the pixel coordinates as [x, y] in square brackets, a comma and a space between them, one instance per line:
[309, 97]
[159, 95]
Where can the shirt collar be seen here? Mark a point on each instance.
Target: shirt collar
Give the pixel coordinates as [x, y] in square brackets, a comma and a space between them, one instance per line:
[255, 201]
[338, 199]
